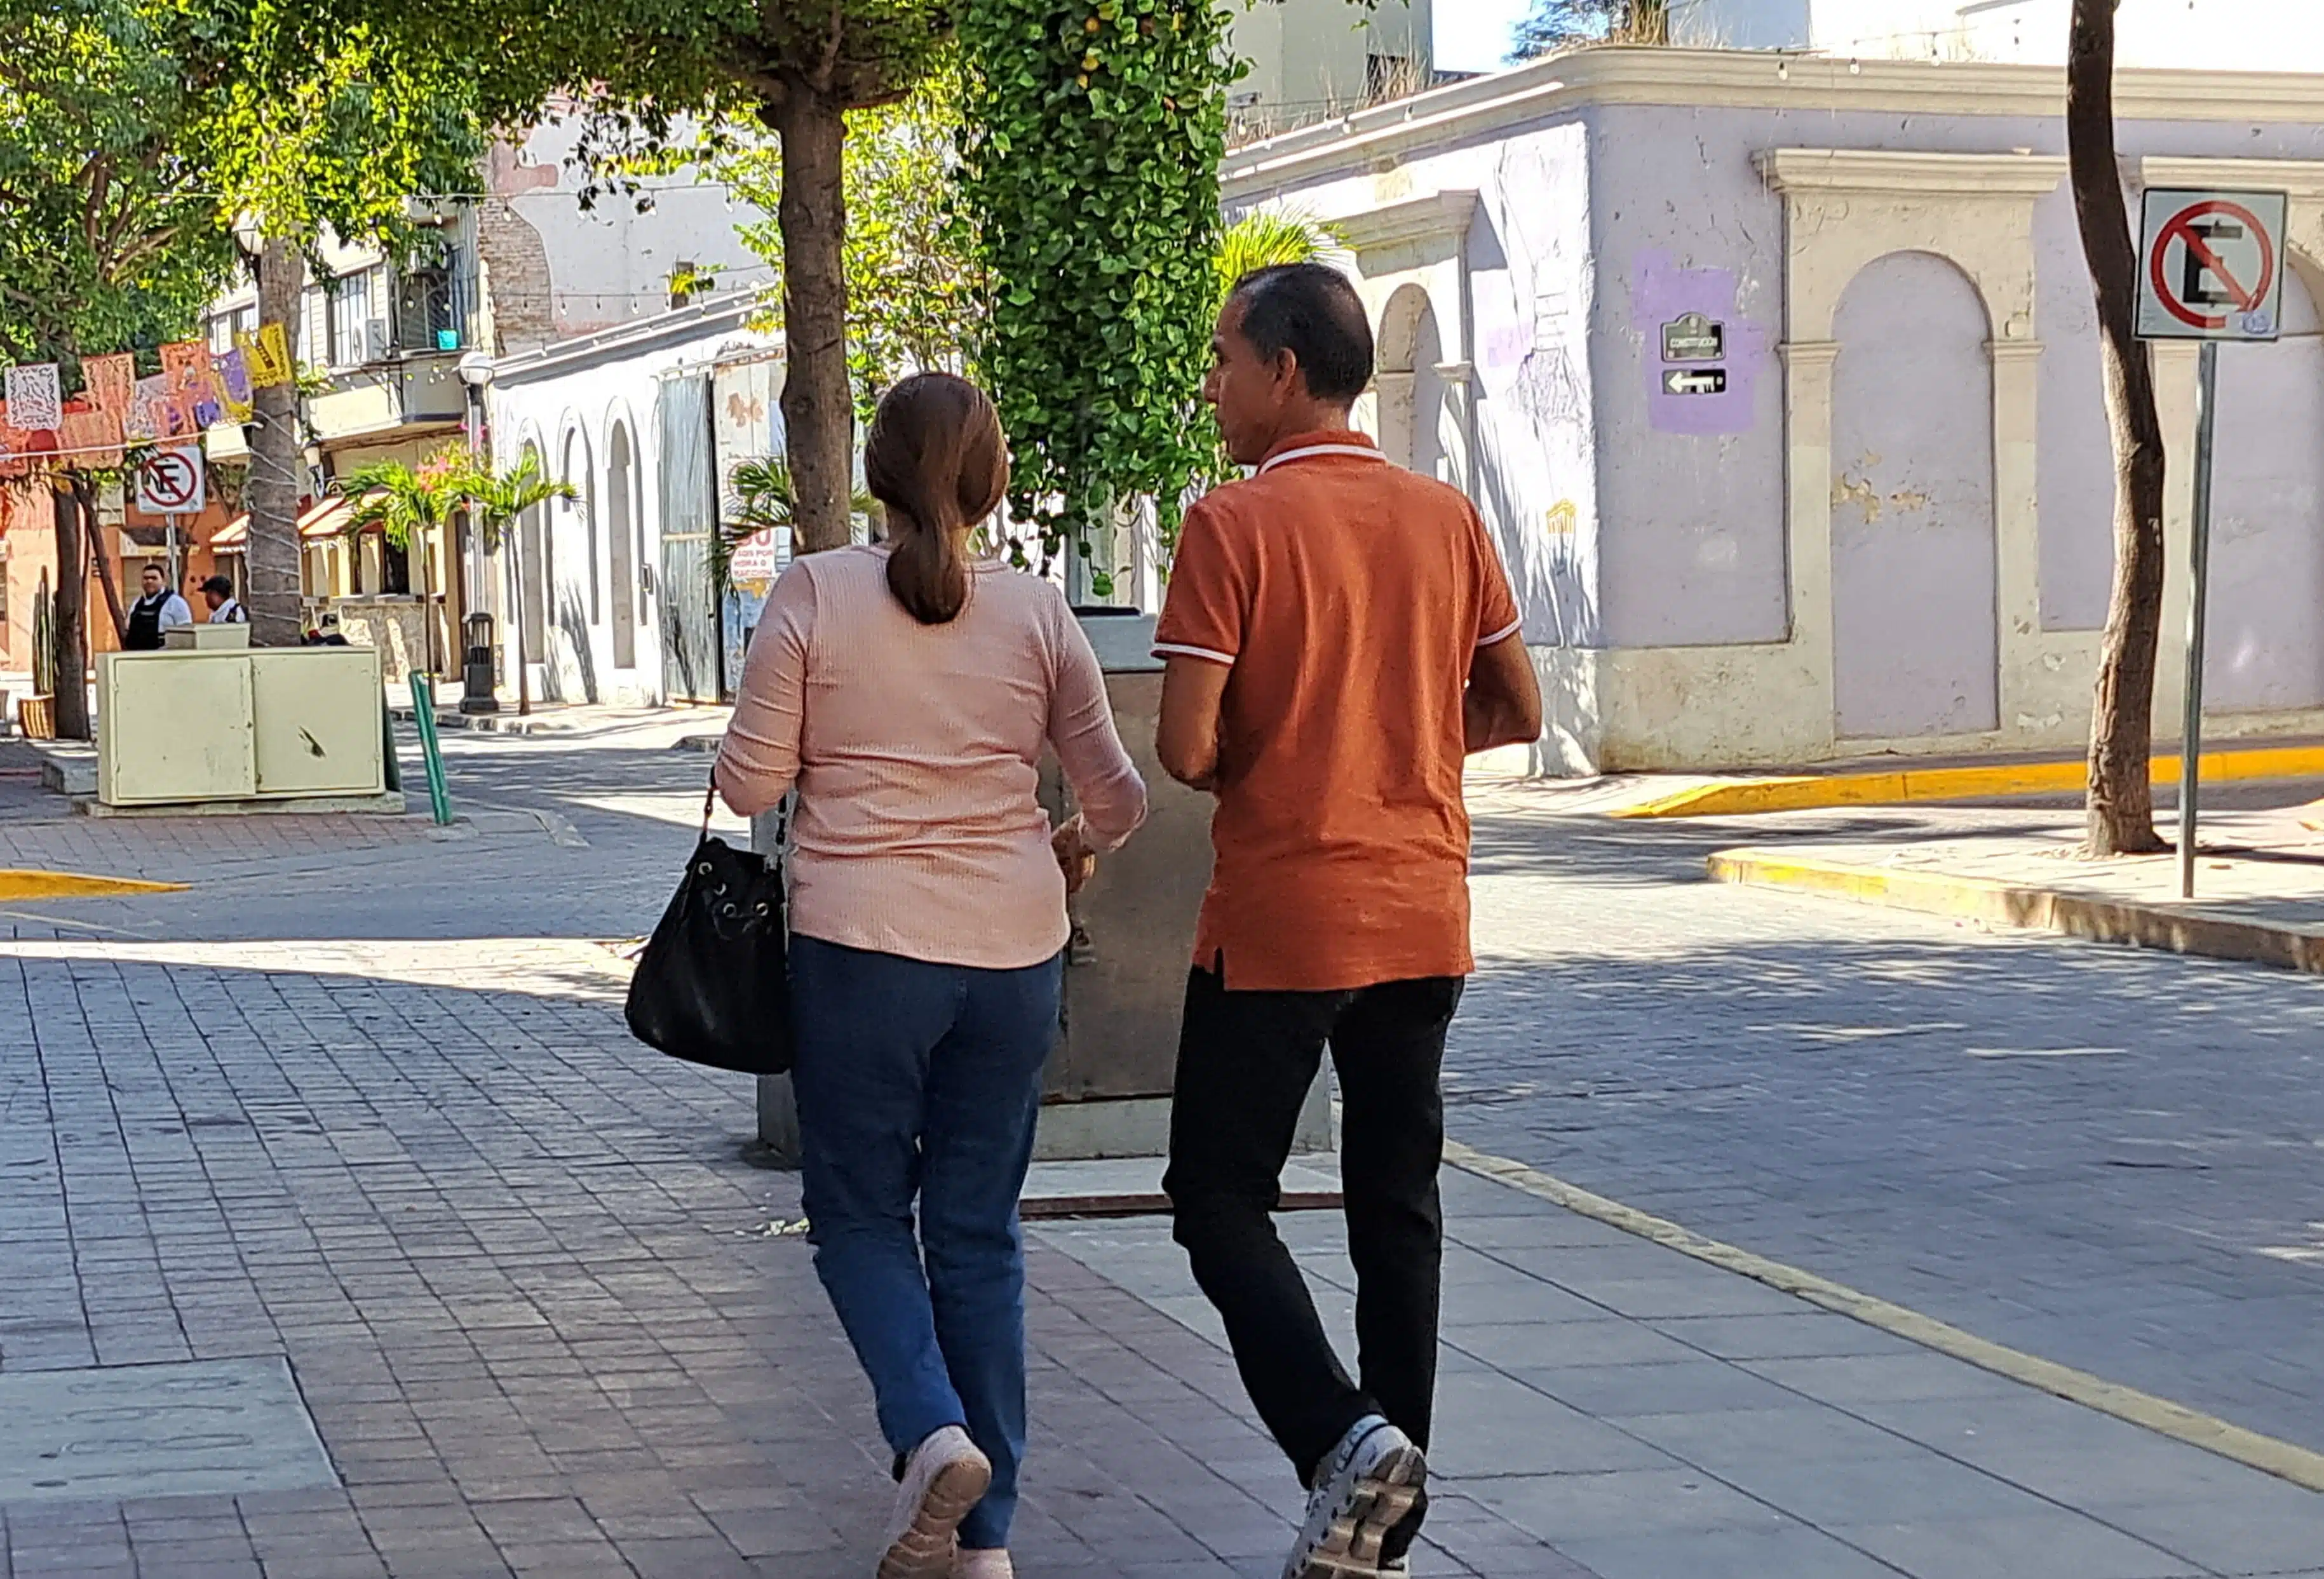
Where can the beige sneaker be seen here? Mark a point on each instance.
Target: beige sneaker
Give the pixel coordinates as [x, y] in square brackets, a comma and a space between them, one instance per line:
[987, 1563]
[943, 1478]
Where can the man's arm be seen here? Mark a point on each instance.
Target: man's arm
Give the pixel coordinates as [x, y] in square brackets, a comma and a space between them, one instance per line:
[1187, 737]
[1502, 705]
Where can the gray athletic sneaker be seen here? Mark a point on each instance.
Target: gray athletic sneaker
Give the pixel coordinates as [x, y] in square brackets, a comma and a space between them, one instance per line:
[1363, 1489]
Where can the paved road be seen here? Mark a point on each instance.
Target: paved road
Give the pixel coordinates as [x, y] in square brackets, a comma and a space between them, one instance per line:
[2109, 1158]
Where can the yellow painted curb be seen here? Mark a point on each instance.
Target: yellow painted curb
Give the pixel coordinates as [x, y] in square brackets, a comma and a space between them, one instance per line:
[1807, 792]
[30, 884]
[2284, 1460]
[2176, 928]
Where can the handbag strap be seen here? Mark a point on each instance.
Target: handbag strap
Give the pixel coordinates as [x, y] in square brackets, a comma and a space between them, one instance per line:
[784, 810]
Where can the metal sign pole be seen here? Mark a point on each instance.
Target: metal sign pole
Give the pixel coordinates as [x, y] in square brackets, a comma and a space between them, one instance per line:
[2191, 735]
[177, 571]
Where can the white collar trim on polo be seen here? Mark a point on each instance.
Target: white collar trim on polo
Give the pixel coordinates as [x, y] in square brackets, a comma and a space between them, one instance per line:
[1364, 452]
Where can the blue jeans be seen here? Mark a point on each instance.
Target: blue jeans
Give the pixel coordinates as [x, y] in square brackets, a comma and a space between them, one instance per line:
[921, 1080]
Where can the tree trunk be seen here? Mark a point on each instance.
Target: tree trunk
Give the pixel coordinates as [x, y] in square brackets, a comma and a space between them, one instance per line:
[819, 407]
[277, 469]
[70, 635]
[2121, 801]
[85, 500]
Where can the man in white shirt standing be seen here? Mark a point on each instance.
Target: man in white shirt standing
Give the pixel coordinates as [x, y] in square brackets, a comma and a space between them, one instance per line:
[225, 608]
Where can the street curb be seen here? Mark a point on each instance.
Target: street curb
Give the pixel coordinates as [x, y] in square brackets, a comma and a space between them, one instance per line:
[2179, 930]
[16, 884]
[1747, 797]
[2285, 1460]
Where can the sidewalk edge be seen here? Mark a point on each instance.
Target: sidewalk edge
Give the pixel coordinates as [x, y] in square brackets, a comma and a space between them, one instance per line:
[2179, 930]
[1747, 797]
[2285, 1460]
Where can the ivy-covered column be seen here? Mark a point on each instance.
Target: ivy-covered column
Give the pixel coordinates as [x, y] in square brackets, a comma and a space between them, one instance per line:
[1092, 138]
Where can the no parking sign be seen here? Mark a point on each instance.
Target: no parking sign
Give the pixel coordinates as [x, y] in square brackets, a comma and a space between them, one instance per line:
[2212, 268]
[169, 483]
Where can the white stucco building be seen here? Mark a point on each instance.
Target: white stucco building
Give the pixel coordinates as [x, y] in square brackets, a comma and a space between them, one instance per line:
[610, 589]
[1776, 379]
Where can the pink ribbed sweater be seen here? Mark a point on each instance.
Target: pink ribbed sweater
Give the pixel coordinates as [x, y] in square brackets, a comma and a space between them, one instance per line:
[915, 749]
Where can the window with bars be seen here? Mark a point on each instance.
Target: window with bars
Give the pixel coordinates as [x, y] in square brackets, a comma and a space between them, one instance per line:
[349, 307]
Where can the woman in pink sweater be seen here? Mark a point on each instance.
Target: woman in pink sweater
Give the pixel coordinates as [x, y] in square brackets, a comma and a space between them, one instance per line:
[910, 691]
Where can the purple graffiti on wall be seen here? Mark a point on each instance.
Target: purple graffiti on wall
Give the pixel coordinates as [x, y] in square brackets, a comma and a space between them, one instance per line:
[1662, 294]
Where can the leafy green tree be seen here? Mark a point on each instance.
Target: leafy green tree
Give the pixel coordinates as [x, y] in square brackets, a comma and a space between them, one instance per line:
[107, 242]
[796, 67]
[915, 290]
[136, 136]
[1090, 162]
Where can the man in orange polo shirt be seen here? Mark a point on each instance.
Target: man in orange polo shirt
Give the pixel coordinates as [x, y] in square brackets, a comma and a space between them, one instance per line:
[1338, 636]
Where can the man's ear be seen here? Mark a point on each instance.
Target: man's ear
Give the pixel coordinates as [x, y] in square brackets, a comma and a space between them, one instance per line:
[1287, 371]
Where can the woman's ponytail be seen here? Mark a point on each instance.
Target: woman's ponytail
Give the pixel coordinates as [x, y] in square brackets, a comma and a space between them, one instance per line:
[936, 459]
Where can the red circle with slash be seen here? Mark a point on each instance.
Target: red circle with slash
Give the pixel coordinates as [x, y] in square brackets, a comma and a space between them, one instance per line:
[2180, 228]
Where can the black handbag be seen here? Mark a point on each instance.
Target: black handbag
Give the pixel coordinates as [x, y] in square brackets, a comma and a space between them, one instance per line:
[713, 985]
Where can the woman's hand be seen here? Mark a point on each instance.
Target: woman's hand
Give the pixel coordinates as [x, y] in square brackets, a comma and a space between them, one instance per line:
[1075, 858]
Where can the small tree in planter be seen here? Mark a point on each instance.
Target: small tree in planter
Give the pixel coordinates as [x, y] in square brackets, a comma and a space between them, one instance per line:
[1089, 168]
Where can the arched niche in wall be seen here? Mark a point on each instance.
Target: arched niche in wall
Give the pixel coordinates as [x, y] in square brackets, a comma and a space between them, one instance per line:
[1410, 349]
[1845, 210]
[1915, 565]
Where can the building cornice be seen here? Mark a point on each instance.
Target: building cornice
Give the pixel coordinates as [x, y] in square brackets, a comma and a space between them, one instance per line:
[1873, 172]
[724, 315]
[1443, 215]
[2301, 177]
[1375, 139]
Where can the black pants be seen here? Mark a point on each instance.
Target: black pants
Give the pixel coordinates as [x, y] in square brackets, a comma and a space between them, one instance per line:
[1246, 1060]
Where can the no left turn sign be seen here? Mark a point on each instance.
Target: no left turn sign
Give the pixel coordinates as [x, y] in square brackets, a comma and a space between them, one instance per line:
[169, 483]
[2213, 266]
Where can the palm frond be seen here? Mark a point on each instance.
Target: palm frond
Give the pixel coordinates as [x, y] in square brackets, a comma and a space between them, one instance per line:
[1267, 238]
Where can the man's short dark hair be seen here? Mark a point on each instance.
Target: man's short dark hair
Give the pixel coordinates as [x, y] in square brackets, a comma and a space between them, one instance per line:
[219, 585]
[1310, 311]
[153, 570]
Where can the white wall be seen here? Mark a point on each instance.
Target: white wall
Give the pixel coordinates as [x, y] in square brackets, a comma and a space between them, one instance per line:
[2201, 35]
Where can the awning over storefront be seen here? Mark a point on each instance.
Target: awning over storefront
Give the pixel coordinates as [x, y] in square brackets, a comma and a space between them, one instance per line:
[326, 517]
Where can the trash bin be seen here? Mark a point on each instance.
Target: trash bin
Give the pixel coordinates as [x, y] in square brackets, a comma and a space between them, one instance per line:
[477, 666]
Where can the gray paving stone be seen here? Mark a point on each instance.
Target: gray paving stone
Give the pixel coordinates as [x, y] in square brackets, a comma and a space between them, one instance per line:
[1797, 1433]
[1612, 1393]
[1515, 1346]
[1569, 1508]
[1793, 1551]
[1800, 1335]
[2042, 1545]
[2246, 1529]
[1889, 1378]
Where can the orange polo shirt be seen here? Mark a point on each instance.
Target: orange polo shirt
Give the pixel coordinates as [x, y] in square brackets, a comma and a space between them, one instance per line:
[1349, 596]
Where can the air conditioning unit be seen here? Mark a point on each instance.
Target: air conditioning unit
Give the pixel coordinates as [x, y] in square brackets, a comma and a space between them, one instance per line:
[378, 340]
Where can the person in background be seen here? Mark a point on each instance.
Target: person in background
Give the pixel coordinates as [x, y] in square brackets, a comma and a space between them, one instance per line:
[217, 594]
[1338, 636]
[156, 611]
[910, 691]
